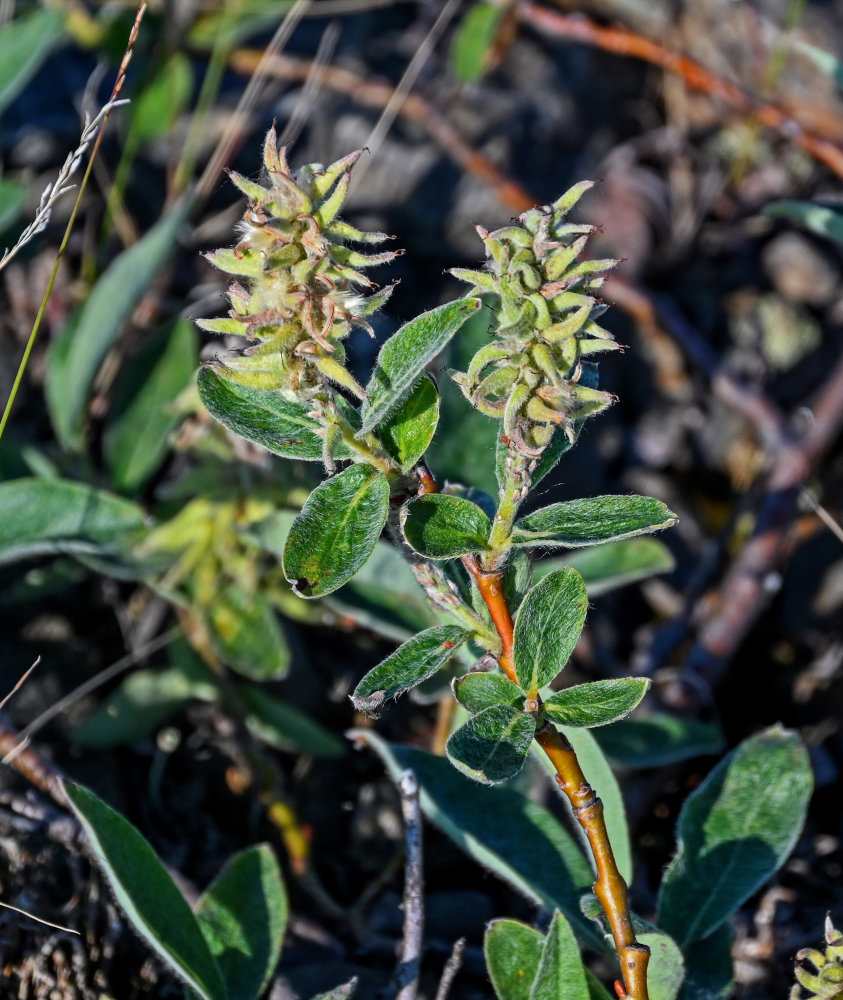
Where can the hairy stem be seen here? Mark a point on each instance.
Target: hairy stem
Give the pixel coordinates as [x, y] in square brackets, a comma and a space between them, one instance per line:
[610, 888]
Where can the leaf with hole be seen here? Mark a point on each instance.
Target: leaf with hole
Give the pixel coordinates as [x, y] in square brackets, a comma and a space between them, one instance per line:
[409, 429]
[547, 627]
[596, 703]
[734, 832]
[406, 354]
[147, 895]
[444, 527]
[589, 522]
[243, 916]
[336, 531]
[410, 664]
[492, 746]
[56, 516]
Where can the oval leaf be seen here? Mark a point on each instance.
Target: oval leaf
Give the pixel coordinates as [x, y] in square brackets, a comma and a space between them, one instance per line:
[734, 832]
[336, 530]
[588, 522]
[410, 664]
[482, 690]
[547, 627]
[445, 527]
[407, 353]
[143, 415]
[79, 349]
[560, 973]
[44, 516]
[492, 746]
[409, 429]
[147, 894]
[243, 915]
[262, 416]
[513, 952]
[597, 703]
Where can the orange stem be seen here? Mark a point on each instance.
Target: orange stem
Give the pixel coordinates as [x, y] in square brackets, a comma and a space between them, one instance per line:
[610, 887]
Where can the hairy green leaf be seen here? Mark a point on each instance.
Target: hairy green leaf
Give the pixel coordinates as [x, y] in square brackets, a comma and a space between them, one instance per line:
[52, 516]
[612, 565]
[473, 40]
[410, 664]
[440, 526]
[263, 416]
[76, 354]
[409, 429]
[659, 739]
[734, 832]
[243, 915]
[284, 726]
[519, 841]
[666, 970]
[587, 522]
[486, 688]
[547, 627]
[709, 971]
[246, 635]
[406, 354]
[596, 703]
[821, 219]
[513, 952]
[24, 45]
[492, 746]
[143, 415]
[560, 972]
[336, 530]
[147, 894]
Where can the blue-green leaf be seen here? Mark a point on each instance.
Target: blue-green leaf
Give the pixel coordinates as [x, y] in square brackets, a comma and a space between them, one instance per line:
[52, 516]
[24, 45]
[243, 915]
[659, 739]
[560, 973]
[821, 219]
[147, 894]
[76, 354]
[406, 354]
[143, 415]
[734, 832]
[612, 565]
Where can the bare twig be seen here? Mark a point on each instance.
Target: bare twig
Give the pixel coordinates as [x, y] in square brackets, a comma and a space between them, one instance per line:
[40, 920]
[406, 978]
[30, 764]
[623, 42]
[19, 684]
[452, 967]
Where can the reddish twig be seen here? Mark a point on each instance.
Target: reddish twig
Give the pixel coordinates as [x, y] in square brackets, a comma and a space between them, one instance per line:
[623, 42]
